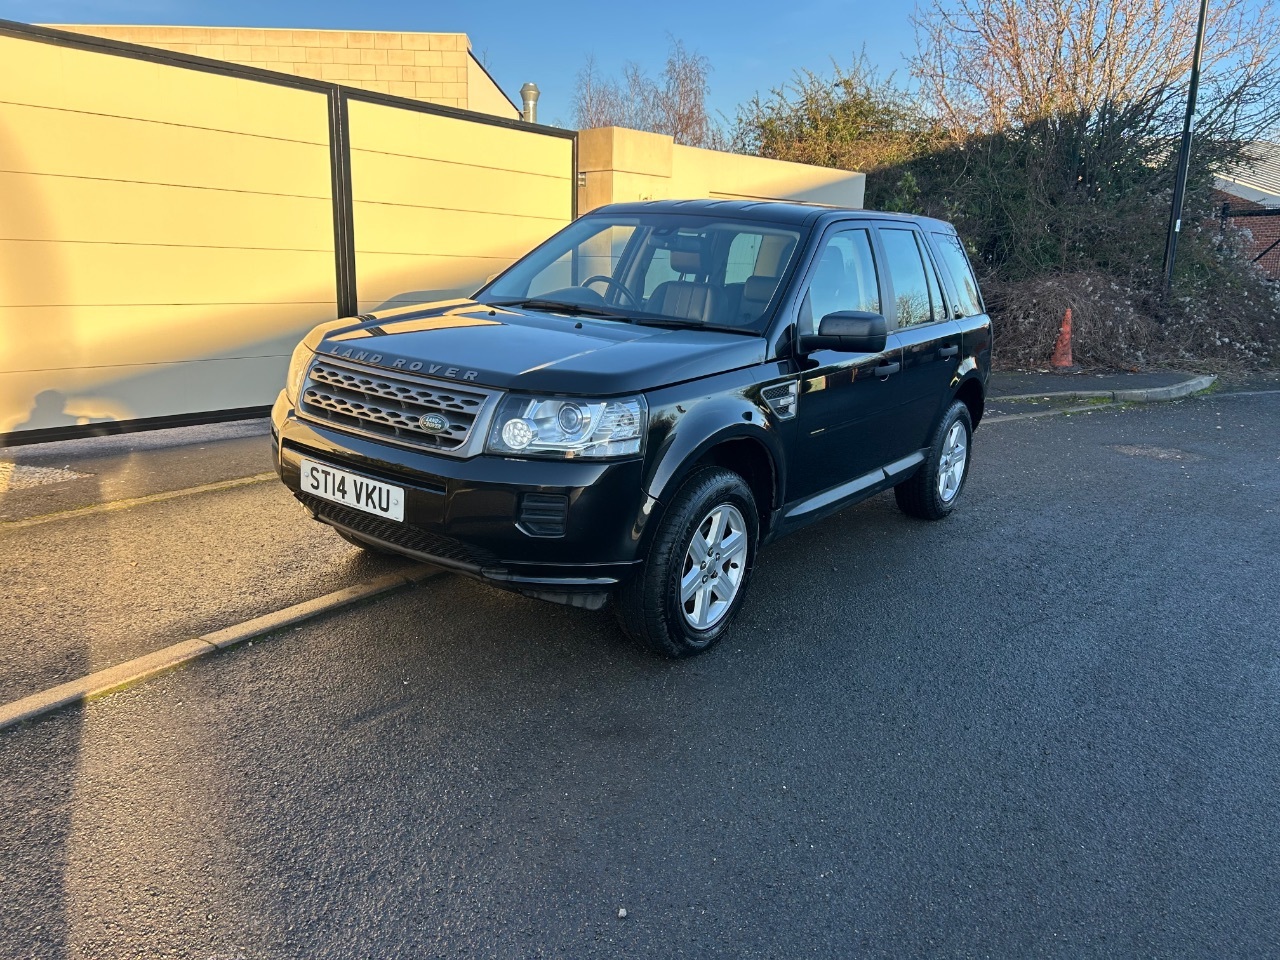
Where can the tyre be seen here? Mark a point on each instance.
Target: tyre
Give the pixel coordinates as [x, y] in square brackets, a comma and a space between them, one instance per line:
[932, 491]
[691, 586]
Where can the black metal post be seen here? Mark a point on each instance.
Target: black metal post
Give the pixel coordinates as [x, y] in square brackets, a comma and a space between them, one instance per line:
[1184, 154]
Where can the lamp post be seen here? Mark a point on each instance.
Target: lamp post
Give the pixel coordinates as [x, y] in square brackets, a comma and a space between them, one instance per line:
[1184, 154]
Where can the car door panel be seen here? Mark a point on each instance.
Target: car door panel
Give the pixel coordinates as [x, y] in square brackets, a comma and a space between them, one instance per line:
[929, 340]
[844, 419]
[930, 355]
[847, 403]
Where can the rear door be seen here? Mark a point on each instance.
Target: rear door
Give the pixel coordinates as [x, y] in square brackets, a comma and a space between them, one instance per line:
[845, 409]
[925, 334]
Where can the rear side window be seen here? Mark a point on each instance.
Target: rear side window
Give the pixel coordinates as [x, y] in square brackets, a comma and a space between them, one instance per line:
[915, 286]
[957, 264]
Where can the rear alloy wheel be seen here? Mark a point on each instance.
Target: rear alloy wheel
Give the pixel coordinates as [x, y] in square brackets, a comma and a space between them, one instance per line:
[690, 587]
[932, 491]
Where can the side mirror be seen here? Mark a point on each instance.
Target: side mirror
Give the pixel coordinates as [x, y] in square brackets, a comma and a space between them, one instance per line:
[849, 331]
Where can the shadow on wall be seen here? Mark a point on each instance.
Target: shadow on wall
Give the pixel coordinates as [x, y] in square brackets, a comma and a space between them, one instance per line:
[51, 409]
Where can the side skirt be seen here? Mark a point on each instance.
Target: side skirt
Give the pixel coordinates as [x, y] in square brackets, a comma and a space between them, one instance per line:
[801, 513]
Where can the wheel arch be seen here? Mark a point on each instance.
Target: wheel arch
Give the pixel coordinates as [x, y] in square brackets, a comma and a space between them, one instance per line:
[973, 396]
[751, 452]
[750, 459]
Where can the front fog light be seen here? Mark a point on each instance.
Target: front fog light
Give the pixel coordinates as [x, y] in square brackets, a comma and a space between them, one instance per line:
[518, 434]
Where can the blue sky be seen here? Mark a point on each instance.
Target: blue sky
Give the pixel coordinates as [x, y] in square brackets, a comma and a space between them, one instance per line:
[753, 45]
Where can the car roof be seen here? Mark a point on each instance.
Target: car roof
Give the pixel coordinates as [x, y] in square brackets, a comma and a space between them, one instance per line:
[788, 212]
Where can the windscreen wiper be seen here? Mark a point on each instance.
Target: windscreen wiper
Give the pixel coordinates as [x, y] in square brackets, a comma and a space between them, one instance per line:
[674, 324]
[563, 306]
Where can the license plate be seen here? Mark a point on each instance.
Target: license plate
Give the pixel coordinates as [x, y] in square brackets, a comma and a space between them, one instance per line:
[339, 486]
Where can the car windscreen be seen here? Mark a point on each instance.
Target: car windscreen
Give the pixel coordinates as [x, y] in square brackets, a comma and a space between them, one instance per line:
[664, 269]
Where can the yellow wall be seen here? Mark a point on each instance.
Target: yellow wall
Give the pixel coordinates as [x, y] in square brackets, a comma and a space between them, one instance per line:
[620, 165]
[165, 236]
[441, 203]
[433, 67]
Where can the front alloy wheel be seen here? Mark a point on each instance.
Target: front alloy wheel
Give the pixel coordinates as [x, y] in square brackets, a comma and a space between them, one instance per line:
[714, 566]
[688, 589]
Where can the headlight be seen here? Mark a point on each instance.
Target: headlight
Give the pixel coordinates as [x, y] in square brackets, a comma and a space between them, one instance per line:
[298, 364]
[568, 429]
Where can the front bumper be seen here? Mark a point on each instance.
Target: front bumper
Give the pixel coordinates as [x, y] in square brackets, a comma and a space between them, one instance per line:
[473, 515]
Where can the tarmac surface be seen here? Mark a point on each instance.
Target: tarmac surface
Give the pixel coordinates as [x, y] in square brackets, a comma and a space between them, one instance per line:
[1047, 726]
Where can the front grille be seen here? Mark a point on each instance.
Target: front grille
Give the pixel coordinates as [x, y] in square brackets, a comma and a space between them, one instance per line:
[394, 406]
[396, 534]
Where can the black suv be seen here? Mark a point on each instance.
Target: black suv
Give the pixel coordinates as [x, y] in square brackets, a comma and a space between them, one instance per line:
[640, 403]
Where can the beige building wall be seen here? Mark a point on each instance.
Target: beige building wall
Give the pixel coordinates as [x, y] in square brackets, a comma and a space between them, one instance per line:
[432, 67]
[441, 203]
[165, 236]
[618, 165]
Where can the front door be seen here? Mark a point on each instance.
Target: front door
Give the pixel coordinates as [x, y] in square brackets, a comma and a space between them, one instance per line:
[845, 412]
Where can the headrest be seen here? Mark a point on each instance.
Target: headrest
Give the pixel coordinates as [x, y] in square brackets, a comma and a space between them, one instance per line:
[830, 268]
[759, 289]
[686, 260]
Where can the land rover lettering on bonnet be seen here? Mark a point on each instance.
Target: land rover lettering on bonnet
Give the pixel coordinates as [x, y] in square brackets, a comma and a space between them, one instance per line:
[636, 407]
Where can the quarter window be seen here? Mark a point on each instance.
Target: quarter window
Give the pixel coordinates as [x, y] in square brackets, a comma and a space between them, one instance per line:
[957, 264]
[845, 279]
[915, 284]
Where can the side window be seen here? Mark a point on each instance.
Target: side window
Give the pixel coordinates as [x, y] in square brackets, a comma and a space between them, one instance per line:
[915, 285]
[743, 252]
[845, 278]
[957, 264]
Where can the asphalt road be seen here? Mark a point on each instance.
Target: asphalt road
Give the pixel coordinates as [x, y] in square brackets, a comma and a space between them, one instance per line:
[133, 465]
[88, 593]
[1048, 726]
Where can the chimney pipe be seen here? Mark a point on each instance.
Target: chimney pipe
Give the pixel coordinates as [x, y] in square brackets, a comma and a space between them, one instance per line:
[529, 93]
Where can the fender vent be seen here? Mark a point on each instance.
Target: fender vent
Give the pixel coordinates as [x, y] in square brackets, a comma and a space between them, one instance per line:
[781, 398]
[544, 514]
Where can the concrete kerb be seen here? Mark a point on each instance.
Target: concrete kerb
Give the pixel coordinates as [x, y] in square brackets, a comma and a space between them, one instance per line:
[1141, 395]
[143, 668]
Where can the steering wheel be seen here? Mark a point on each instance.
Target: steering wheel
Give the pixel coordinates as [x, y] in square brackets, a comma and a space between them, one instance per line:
[609, 281]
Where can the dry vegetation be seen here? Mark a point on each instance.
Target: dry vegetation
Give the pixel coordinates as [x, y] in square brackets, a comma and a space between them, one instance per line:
[1047, 131]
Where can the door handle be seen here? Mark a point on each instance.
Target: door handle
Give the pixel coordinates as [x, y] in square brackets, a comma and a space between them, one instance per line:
[888, 369]
[950, 351]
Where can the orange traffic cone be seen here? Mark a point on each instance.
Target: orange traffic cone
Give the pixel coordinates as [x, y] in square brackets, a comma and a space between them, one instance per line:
[1062, 350]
